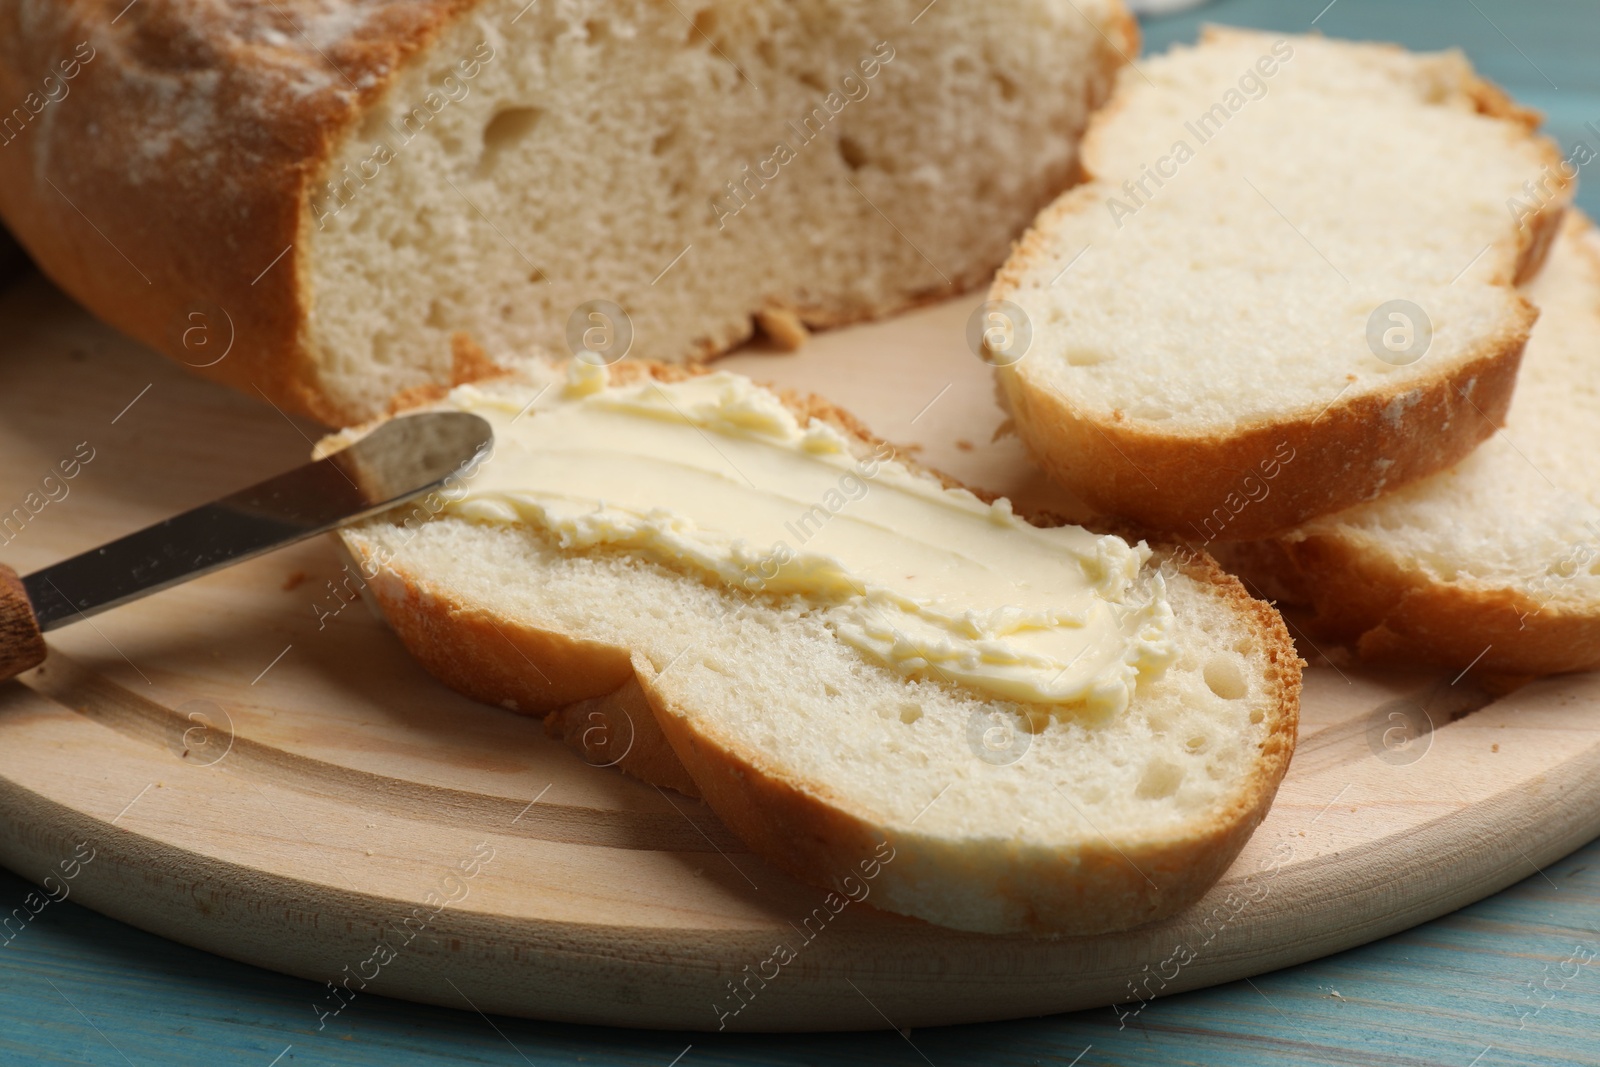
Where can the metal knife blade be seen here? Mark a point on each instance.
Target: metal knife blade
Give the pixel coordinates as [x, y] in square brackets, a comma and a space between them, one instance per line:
[401, 459]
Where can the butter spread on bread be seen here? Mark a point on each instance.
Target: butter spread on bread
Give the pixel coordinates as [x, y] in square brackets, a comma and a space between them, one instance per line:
[714, 475]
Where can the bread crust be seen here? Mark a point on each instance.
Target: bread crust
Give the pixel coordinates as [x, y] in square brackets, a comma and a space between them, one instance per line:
[1347, 453]
[1194, 487]
[172, 194]
[216, 226]
[1392, 613]
[793, 824]
[492, 659]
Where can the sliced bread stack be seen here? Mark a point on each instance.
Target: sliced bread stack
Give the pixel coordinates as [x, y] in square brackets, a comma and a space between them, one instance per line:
[1494, 563]
[1288, 285]
[822, 759]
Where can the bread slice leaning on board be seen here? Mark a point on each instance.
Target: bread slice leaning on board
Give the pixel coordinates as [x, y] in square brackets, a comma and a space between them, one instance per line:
[1494, 563]
[822, 759]
[333, 201]
[1288, 285]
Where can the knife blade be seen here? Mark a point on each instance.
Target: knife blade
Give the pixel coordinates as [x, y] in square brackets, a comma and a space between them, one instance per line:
[402, 459]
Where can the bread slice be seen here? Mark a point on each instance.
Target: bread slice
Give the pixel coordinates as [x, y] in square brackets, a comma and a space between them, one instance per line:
[1496, 561]
[1207, 314]
[351, 198]
[823, 761]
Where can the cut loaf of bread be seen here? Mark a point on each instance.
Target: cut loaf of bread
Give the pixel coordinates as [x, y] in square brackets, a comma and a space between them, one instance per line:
[351, 198]
[1496, 561]
[1213, 351]
[821, 760]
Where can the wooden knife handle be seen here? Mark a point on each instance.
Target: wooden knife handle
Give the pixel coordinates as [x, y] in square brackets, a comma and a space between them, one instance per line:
[21, 641]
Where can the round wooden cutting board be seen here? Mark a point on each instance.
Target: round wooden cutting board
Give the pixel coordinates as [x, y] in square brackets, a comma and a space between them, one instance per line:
[250, 763]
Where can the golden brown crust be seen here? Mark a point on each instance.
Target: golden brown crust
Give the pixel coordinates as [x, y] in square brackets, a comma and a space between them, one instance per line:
[172, 181]
[1392, 613]
[1190, 486]
[496, 660]
[469, 362]
[1199, 488]
[1491, 100]
[791, 823]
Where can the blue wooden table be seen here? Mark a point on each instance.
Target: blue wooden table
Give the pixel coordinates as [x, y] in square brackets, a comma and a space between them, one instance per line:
[1512, 980]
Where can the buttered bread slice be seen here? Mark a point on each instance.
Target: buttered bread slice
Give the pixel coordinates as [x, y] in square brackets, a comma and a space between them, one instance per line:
[854, 661]
[1496, 561]
[1288, 285]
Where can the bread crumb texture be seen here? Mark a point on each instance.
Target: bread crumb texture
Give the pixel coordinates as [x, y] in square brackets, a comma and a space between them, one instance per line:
[1234, 242]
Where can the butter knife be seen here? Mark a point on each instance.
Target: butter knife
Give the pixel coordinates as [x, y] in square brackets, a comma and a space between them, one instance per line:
[402, 459]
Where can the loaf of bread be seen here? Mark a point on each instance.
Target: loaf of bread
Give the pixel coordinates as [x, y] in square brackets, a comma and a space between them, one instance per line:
[999, 814]
[1494, 563]
[1288, 285]
[331, 201]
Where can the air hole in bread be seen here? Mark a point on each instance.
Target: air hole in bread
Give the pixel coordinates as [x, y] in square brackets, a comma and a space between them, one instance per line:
[811, 81]
[597, 30]
[1160, 779]
[1196, 743]
[1150, 412]
[851, 152]
[910, 713]
[1224, 678]
[1084, 357]
[665, 142]
[509, 128]
[1008, 88]
[705, 24]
